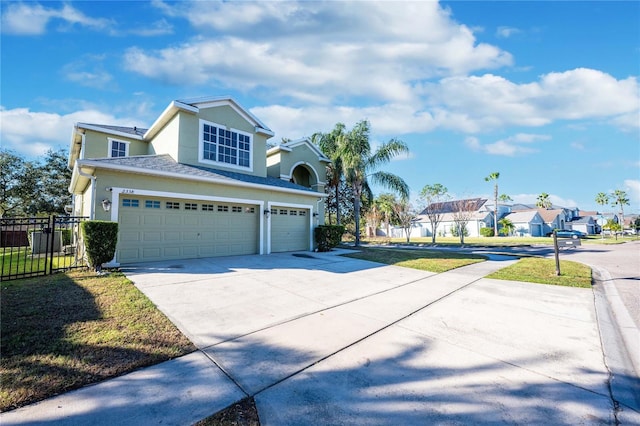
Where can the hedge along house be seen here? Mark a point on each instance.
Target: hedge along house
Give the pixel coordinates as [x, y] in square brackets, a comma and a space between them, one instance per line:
[198, 183]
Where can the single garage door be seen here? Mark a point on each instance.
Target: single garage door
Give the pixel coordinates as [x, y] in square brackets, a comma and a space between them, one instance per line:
[161, 228]
[289, 229]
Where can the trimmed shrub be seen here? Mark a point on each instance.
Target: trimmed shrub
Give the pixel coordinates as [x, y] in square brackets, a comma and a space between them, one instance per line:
[486, 232]
[328, 236]
[455, 233]
[100, 238]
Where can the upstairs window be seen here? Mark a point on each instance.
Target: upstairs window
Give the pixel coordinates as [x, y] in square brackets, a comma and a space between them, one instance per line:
[229, 147]
[118, 148]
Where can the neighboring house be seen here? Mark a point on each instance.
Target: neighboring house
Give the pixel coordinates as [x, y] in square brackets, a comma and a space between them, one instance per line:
[199, 182]
[527, 223]
[552, 218]
[586, 224]
[480, 217]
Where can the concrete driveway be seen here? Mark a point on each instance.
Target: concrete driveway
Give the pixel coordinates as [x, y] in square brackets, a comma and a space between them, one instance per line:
[328, 339]
[317, 338]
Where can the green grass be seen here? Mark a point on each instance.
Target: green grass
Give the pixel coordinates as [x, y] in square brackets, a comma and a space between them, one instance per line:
[543, 271]
[19, 261]
[426, 260]
[64, 331]
[494, 241]
[535, 270]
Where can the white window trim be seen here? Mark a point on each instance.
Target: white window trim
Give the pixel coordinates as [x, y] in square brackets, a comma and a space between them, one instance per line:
[201, 158]
[110, 148]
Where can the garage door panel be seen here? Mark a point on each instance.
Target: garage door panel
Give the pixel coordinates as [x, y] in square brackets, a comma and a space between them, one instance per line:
[190, 236]
[190, 251]
[151, 220]
[130, 220]
[150, 253]
[171, 236]
[191, 220]
[154, 232]
[172, 252]
[173, 220]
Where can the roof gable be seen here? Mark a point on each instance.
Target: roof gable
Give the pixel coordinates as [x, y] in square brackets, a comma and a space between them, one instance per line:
[526, 216]
[194, 106]
[288, 146]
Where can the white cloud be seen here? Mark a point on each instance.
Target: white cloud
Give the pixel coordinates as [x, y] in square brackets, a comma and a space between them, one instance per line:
[532, 198]
[491, 101]
[510, 147]
[632, 186]
[577, 146]
[161, 27]
[32, 133]
[318, 50]
[506, 32]
[89, 72]
[33, 18]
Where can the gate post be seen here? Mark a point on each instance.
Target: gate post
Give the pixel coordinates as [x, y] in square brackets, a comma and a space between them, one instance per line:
[52, 223]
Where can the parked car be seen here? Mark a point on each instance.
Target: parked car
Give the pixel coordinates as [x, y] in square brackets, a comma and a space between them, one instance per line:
[563, 233]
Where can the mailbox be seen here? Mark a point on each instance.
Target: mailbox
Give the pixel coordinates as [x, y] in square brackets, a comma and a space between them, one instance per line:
[568, 242]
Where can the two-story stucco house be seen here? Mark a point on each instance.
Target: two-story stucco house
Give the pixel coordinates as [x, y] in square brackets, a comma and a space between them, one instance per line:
[199, 182]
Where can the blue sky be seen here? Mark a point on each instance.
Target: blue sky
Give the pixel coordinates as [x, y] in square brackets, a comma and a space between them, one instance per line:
[546, 93]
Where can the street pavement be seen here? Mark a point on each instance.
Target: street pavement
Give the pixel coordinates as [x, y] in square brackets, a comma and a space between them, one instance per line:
[318, 338]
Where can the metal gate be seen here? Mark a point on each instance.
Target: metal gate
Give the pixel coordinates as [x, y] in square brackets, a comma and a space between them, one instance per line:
[33, 246]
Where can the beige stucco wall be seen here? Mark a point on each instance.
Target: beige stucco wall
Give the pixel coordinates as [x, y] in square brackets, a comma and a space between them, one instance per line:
[165, 141]
[97, 145]
[191, 190]
[189, 135]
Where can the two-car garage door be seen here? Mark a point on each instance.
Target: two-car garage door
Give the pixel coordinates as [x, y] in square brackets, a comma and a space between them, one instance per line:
[160, 229]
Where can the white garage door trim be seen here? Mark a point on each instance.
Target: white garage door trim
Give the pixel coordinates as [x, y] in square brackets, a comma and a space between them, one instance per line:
[117, 192]
[275, 204]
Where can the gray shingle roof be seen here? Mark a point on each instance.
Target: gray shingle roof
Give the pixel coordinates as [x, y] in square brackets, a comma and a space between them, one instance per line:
[473, 204]
[165, 163]
[137, 131]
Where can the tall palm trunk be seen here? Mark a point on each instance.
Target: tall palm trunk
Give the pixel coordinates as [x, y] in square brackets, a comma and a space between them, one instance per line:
[495, 219]
[338, 203]
[357, 190]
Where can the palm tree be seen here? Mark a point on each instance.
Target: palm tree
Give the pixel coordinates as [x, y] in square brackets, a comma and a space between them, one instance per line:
[359, 164]
[385, 204]
[543, 201]
[507, 226]
[619, 198]
[328, 144]
[603, 200]
[494, 176]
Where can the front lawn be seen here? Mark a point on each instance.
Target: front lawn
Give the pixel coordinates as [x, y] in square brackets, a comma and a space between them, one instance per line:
[64, 331]
[426, 260]
[494, 241]
[543, 271]
[18, 261]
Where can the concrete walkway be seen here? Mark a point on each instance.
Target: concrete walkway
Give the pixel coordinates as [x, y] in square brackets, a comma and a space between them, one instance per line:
[323, 339]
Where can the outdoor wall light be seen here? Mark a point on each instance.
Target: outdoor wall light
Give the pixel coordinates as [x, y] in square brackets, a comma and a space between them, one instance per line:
[267, 212]
[316, 214]
[106, 205]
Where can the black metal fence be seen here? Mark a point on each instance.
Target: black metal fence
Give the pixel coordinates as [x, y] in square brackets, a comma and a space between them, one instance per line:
[33, 246]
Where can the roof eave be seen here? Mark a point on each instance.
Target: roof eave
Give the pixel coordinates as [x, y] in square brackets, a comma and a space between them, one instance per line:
[151, 172]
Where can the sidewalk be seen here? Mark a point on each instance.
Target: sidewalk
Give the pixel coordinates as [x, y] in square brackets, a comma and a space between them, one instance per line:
[422, 347]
